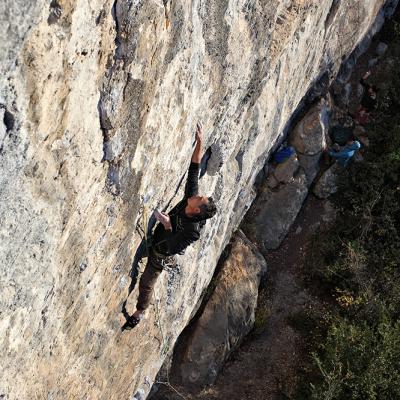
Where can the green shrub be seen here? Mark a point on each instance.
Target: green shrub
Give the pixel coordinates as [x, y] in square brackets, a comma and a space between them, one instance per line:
[359, 362]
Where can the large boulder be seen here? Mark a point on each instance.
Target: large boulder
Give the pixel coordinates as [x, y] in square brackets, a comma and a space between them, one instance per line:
[327, 184]
[309, 138]
[225, 320]
[273, 212]
[283, 172]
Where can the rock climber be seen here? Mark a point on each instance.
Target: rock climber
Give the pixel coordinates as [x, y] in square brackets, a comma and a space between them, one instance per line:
[345, 153]
[175, 231]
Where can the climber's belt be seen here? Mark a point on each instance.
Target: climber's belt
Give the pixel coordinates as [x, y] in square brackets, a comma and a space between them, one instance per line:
[161, 260]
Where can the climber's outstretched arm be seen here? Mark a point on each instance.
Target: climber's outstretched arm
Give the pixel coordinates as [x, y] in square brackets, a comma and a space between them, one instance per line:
[197, 153]
[192, 183]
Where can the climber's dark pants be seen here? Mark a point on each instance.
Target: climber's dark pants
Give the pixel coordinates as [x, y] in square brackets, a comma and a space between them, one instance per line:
[154, 267]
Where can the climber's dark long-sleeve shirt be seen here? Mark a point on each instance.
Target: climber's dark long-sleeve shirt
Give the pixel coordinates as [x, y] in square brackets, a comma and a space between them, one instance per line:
[185, 230]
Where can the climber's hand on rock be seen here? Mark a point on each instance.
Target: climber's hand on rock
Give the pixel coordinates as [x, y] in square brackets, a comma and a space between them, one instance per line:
[163, 219]
[199, 132]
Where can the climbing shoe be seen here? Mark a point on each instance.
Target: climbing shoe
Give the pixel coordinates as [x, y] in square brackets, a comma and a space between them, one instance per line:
[131, 322]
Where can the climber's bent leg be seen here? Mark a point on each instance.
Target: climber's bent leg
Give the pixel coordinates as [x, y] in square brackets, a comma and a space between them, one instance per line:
[154, 267]
[148, 279]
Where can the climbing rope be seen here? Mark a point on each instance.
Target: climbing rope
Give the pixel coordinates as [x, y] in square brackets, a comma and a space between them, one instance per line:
[167, 384]
[165, 347]
[146, 224]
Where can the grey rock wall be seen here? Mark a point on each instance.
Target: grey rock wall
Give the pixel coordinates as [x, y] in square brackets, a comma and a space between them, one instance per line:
[99, 101]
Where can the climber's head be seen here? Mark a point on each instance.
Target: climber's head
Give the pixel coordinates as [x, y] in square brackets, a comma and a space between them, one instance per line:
[200, 207]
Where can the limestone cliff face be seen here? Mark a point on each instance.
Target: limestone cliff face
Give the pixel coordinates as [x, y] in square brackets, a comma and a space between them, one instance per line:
[98, 103]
